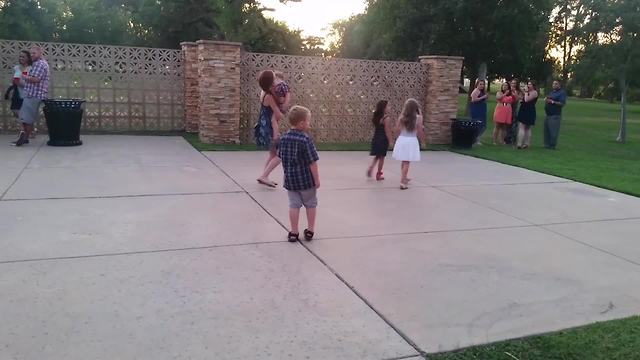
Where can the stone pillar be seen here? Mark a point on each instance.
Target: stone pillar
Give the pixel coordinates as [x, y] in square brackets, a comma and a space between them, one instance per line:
[219, 91]
[191, 90]
[441, 104]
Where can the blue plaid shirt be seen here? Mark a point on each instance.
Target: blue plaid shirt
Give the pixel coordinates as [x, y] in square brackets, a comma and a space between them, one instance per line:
[297, 152]
[39, 90]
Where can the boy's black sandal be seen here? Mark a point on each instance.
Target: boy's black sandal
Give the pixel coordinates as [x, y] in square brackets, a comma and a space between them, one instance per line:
[292, 237]
[308, 234]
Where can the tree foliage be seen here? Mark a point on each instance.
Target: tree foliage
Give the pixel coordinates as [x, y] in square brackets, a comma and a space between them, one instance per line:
[511, 37]
[614, 58]
[29, 19]
[569, 32]
[154, 23]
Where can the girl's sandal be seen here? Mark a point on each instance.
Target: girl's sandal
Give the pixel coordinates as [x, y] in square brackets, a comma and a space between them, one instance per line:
[308, 234]
[403, 186]
[292, 237]
[379, 176]
[266, 183]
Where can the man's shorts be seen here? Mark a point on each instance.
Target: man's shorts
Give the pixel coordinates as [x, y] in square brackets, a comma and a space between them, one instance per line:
[298, 198]
[30, 110]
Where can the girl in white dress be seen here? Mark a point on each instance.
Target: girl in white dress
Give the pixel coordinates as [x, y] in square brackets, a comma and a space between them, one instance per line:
[407, 148]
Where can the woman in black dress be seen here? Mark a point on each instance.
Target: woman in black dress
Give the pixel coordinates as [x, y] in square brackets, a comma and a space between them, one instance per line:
[382, 137]
[527, 115]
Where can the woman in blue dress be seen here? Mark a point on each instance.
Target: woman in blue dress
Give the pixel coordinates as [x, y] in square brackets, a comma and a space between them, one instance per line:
[478, 107]
[266, 130]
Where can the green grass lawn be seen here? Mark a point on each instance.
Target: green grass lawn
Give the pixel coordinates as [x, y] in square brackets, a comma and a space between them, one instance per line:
[611, 340]
[587, 150]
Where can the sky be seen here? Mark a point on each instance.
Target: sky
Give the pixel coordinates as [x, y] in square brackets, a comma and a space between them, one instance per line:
[313, 17]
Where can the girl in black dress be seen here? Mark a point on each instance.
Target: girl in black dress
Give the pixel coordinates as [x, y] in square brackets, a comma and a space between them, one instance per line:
[527, 115]
[382, 137]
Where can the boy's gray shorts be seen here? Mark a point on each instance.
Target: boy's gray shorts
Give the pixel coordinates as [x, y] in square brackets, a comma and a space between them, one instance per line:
[298, 198]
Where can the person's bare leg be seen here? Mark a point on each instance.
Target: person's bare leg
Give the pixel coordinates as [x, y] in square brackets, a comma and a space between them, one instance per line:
[370, 168]
[27, 129]
[380, 164]
[294, 218]
[272, 162]
[404, 180]
[271, 166]
[311, 219]
[271, 155]
[496, 129]
[521, 135]
[404, 171]
[527, 136]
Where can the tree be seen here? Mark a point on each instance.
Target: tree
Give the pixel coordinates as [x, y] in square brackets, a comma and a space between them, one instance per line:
[154, 23]
[616, 54]
[312, 46]
[569, 31]
[167, 23]
[507, 38]
[347, 37]
[98, 22]
[28, 19]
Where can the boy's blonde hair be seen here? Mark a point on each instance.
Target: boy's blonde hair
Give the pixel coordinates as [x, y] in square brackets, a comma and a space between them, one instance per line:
[298, 114]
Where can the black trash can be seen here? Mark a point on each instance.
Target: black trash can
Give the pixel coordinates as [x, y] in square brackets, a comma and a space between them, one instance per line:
[464, 132]
[64, 119]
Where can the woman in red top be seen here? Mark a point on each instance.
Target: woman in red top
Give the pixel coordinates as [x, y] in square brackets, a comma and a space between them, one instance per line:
[503, 115]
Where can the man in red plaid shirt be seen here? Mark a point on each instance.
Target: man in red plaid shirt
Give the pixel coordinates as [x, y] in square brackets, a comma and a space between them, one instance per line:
[35, 91]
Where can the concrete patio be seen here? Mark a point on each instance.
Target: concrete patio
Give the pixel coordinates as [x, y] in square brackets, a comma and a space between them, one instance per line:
[143, 248]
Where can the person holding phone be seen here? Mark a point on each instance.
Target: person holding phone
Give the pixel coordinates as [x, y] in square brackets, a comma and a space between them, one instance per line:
[478, 107]
[527, 115]
[15, 92]
[554, 103]
[503, 114]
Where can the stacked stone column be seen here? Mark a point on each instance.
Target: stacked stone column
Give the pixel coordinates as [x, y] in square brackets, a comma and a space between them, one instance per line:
[218, 91]
[441, 104]
[191, 90]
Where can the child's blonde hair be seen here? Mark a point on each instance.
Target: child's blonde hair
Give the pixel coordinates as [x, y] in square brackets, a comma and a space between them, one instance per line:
[298, 114]
[279, 74]
[410, 114]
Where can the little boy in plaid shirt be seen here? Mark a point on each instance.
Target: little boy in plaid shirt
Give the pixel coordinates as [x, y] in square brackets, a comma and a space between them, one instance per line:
[301, 176]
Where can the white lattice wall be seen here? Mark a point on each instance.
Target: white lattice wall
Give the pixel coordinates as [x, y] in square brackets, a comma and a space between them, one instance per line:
[126, 88]
[341, 93]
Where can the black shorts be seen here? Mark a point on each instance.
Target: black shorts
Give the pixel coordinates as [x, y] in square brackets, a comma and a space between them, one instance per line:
[16, 103]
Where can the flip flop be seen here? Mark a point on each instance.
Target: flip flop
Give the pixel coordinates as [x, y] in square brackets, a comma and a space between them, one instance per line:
[266, 183]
